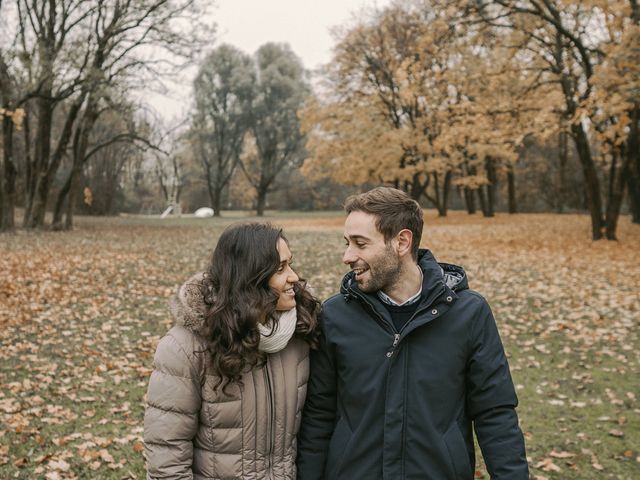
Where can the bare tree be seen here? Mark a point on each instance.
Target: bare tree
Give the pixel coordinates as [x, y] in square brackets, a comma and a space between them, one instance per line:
[71, 52]
[281, 91]
[223, 89]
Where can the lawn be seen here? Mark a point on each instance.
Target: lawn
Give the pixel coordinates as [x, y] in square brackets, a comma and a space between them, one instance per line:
[81, 313]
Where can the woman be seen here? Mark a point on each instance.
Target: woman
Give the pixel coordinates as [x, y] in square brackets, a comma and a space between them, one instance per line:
[229, 379]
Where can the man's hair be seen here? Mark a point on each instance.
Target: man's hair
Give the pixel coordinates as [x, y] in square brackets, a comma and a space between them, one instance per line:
[394, 211]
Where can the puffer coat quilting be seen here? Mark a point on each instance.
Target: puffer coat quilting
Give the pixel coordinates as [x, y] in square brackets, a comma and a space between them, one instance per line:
[193, 431]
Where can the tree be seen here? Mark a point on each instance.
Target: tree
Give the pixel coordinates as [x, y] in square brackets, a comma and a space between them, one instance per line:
[224, 89]
[389, 95]
[70, 52]
[413, 95]
[566, 42]
[281, 90]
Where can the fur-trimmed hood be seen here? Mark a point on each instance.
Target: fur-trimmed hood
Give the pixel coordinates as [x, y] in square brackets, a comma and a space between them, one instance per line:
[187, 306]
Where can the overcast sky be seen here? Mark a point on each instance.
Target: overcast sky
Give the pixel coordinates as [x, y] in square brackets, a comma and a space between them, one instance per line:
[304, 24]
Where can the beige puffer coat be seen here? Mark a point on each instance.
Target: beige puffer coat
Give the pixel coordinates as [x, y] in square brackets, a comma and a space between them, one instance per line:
[192, 431]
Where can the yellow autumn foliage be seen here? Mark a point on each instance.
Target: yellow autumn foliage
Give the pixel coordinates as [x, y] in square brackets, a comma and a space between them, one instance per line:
[17, 116]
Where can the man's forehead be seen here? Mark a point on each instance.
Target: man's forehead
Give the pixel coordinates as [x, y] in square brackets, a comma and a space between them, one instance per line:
[360, 224]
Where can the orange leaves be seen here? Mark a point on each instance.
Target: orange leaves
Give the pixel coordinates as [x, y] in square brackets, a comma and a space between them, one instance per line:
[81, 313]
[17, 116]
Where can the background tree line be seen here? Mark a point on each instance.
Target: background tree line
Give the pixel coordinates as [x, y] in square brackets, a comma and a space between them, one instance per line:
[68, 69]
[433, 96]
[483, 105]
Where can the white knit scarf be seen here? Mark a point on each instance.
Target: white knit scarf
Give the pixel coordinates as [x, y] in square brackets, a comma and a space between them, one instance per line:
[285, 327]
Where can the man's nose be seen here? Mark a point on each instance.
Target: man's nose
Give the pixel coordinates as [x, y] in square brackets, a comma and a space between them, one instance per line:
[348, 256]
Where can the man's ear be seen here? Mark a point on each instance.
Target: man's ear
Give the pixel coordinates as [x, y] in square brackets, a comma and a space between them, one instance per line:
[404, 239]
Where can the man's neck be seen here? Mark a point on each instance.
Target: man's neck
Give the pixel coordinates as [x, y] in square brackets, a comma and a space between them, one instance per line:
[408, 284]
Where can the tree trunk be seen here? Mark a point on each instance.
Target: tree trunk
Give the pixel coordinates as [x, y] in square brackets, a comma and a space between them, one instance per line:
[57, 210]
[217, 201]
[563, 153]
[80, 146]
[592, 183]
[37, 203]
[73, 193]
[29, 178]
[1, 199]
[511, 183]
[633, 162]
[261, 201]
[444, 204]
[490, 212]
[436, 202]
[617, 176]
[491, 186]
[416, 188]
[483, 202]
[47, 164]
[8, 185]
[470, 200]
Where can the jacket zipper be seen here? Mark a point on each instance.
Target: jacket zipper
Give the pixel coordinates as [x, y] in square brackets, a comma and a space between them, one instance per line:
[396, 339]
[271, 417]
[396, 335]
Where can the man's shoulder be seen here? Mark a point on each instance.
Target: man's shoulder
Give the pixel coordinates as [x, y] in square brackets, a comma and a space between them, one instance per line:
[472, 297]
[338, 308]
[471, 305]
[336, 301]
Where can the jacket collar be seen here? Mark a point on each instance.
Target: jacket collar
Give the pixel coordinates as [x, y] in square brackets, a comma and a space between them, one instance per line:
[434, 276]
[440, 281]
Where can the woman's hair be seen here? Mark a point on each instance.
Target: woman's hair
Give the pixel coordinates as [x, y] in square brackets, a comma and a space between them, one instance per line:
[238, 298]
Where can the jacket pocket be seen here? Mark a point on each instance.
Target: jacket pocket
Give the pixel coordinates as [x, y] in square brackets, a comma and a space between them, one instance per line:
[458, 453]
[337, 448]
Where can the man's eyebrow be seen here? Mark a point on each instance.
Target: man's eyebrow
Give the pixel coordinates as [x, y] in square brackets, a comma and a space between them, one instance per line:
[356, 237]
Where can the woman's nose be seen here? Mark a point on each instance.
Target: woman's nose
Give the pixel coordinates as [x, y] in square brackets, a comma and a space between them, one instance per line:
[293, 276]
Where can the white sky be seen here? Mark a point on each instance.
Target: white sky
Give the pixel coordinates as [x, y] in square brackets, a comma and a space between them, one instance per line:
[247, 24]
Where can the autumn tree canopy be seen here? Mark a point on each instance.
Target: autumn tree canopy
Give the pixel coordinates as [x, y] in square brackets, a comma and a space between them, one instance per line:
[425, 95]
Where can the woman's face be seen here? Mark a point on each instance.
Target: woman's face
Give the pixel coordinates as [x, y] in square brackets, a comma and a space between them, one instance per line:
[283, 279]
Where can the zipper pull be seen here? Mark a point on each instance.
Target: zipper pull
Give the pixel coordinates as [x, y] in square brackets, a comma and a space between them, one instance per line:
[396, 339]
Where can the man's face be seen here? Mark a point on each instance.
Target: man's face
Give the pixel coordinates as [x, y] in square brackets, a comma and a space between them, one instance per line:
[376, 263]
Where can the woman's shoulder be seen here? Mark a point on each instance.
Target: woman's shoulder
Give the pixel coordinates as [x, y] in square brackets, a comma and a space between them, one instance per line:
[180, 352]
[186, 338]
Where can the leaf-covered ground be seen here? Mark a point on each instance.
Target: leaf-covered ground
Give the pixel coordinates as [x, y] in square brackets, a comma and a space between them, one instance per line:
[81, 313]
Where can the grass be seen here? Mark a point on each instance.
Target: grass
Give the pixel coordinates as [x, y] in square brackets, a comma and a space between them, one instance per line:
[82, 311]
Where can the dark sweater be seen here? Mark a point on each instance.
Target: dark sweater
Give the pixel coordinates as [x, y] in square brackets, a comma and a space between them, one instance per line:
[401, 314]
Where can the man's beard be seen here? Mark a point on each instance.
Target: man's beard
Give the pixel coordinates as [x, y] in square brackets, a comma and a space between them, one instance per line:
[384, 272]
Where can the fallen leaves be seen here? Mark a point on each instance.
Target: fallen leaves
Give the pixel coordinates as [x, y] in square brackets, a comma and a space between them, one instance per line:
[81, 313]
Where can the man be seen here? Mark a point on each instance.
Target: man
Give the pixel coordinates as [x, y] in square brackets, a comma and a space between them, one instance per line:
[410, 359]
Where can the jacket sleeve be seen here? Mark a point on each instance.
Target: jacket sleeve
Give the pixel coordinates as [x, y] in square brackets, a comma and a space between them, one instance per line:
[319, 414]
[492, 400]
[171, 416]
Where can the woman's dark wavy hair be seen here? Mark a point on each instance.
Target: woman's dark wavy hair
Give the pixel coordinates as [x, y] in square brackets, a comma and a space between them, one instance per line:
[238, 298]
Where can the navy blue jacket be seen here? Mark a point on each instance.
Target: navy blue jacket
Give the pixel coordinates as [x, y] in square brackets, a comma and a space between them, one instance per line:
[383, 404]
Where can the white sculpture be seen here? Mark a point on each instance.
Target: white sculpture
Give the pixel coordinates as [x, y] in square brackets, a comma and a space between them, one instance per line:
[204, 212]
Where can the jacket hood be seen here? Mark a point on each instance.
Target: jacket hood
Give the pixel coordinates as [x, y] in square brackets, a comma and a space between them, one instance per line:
[436, 275]
[187, 305]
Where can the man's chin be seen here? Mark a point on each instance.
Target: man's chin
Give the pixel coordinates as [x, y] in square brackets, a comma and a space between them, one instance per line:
[366, 287]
